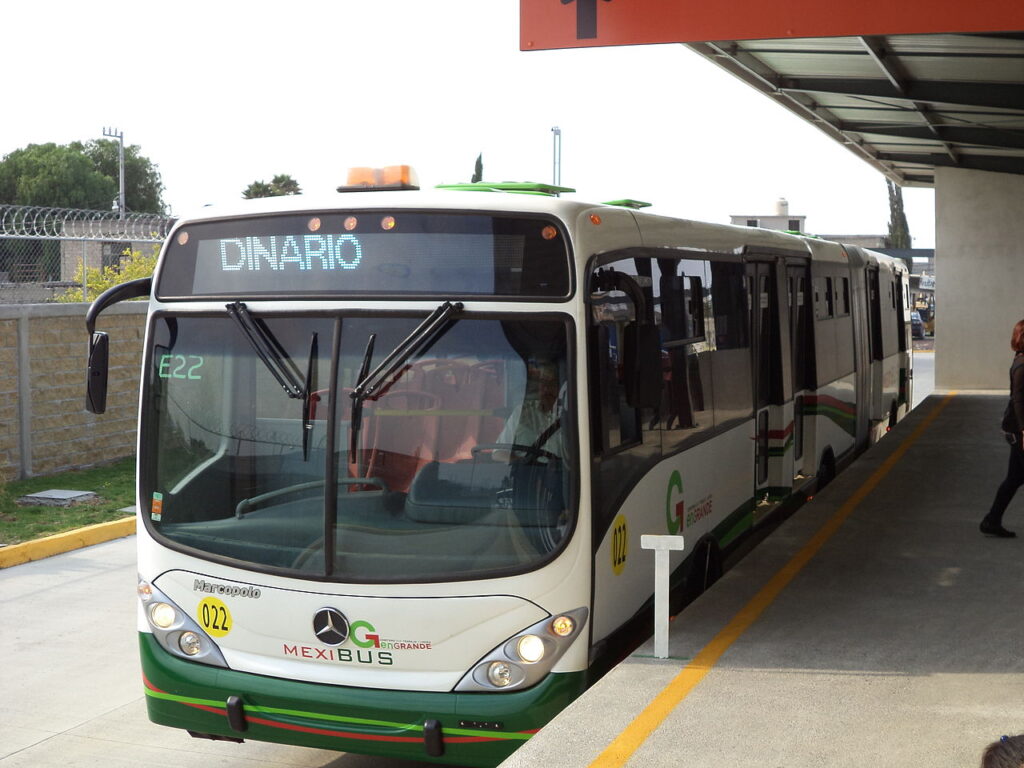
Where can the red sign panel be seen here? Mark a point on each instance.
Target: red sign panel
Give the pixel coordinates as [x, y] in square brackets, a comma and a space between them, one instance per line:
[548, 24]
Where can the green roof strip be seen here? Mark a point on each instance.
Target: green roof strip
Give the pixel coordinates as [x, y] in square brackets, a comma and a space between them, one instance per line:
[521, 187]
[628, 203]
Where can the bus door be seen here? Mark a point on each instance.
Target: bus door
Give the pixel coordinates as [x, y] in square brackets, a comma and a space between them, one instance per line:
[877, 351]
[905, 345]
[798, 288]
[766, 348]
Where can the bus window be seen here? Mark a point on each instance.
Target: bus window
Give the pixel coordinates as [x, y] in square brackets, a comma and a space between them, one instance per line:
[618, 421]
[686, 365]
[730, 359]
[460, 465]
[231, 433]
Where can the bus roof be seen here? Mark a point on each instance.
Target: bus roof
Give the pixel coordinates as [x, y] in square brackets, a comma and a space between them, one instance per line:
[655, 230]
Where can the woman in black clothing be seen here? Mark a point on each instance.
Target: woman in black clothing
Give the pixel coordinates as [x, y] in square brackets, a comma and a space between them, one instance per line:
[1013, 420]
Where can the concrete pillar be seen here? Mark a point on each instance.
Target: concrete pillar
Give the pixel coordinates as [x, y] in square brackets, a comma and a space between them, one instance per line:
[979, 276]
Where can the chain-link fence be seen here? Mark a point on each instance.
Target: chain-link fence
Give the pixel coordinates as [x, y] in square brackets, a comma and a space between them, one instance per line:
[43, 250]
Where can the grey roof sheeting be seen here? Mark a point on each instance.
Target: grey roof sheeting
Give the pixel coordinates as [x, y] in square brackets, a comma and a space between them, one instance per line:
[904, 103]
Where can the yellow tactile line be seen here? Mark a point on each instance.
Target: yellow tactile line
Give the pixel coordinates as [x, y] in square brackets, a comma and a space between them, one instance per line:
[643, 725]
[37, 549]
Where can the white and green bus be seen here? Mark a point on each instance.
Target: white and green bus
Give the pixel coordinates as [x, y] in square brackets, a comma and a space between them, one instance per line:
[397, 448]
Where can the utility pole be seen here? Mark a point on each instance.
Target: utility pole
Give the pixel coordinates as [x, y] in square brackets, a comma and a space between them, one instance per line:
[556, 157]
[114, 133]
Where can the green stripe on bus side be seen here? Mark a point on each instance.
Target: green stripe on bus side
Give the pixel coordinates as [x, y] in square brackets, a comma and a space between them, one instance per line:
[736, 524]
[337, 718]
[301, 713]
[842, 414]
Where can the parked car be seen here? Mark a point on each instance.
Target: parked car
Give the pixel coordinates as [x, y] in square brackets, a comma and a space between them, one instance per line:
[916, 325]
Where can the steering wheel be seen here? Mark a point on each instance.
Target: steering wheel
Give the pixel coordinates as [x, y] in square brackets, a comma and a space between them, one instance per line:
[531, 451]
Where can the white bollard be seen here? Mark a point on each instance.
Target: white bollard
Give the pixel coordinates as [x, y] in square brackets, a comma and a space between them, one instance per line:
[662, 545]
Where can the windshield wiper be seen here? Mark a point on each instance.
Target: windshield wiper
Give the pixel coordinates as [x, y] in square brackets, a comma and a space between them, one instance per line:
[424, 332]
[268, 349]
[368, 384]
[274, 357]
[356, 417]
[307, 394]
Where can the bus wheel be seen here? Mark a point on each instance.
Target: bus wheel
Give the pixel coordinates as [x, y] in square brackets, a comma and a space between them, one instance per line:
[827, 470]
[705, 569]
[712, 570]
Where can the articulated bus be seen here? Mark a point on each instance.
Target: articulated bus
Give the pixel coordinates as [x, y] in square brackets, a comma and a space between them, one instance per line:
[397, 448]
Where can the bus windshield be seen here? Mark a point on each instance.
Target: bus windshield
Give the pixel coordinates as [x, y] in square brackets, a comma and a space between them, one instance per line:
[459, 464]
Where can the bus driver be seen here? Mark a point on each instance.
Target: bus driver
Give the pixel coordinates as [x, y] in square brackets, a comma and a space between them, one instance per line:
[535, 422]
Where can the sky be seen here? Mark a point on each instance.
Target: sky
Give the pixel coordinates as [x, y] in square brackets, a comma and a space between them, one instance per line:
[220, 94]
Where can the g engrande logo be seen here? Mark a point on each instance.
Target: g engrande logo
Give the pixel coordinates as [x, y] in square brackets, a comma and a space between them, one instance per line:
[330, 626]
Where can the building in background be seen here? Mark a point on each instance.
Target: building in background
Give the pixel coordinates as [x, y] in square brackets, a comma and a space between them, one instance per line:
[781, 219]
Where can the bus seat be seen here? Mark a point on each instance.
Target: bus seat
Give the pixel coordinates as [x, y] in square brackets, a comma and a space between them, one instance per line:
[402, 433]
[455, 493]
[486, 382]
[447, 380]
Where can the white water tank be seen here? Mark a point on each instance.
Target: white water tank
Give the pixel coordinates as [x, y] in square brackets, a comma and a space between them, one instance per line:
[782, 207]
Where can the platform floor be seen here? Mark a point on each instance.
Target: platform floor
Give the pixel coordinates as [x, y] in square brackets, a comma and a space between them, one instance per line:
[875, 627]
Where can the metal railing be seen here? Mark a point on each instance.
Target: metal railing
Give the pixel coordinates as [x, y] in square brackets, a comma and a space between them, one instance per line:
[32, 222]
[39, 258]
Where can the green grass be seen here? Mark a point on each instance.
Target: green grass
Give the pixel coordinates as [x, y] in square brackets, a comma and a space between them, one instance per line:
[114, 483]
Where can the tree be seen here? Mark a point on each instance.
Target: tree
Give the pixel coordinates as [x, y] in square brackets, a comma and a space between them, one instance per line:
[899, 229]
[478, 171]
[258, 189]
[54, 176]
[143, 188]
[134, 264]
[282, 184]
[79, 176]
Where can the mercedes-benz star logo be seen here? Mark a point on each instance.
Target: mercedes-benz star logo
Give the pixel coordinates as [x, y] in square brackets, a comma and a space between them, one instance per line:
[330, 626]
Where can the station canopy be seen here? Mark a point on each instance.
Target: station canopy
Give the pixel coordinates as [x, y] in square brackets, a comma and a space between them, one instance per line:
[908, 86]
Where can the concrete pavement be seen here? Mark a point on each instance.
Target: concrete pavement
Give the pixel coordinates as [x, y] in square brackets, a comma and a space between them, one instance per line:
[895, 640]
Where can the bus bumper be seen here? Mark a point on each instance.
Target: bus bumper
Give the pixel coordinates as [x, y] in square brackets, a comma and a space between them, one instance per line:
[477, 729]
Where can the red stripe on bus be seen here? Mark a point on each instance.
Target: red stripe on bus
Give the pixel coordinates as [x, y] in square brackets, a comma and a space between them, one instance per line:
[338, 734]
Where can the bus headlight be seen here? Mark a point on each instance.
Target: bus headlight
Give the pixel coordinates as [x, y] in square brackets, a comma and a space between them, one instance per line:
[190, 643]
[162, 615]
[500, 674]
[563, 625]
[530, 648]
[525, 658]
[175, 631]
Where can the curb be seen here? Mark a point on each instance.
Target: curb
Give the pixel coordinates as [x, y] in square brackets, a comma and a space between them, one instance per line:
[37, 549]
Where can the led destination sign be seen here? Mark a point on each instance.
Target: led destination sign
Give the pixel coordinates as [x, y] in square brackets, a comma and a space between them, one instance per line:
[367, 254]
[308, 252]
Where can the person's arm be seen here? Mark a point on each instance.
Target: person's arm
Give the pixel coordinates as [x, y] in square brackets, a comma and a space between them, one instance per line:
[1017, 395]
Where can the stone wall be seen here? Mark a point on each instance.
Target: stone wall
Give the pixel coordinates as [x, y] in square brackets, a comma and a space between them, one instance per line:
[44, 427]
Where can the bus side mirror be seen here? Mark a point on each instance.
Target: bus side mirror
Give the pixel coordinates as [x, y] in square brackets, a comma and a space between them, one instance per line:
[642, 357]
[99, 344]
[96, 383]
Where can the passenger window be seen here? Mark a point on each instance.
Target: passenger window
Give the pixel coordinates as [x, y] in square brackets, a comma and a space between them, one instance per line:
[679, 292]
[730, 356]
[617, 422]
[730, 305]
[685, 361]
